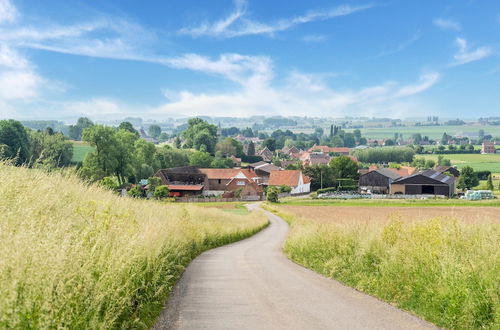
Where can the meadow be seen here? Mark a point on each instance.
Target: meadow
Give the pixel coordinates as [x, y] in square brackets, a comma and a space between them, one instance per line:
[74, 255]
[80, 150]
[479, 162]
[430, 263]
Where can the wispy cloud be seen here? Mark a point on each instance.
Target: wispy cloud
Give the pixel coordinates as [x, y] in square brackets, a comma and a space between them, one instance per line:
[314, 38]
[400, 47]
[236, 24]
[426, 81]
[447, 24]
[466, 55]
[8, 12]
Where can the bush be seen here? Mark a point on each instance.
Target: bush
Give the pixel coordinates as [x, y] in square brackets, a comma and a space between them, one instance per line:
[272, 195]
[251, 159]
[284, 189]
[483, 175]
[326, 190]
[161, 192]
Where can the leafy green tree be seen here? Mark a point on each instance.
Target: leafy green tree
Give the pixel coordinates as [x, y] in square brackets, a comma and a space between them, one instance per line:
[200, 135]
[124, 154]
[337, 141]
[344, 167]
[127, 126]
[272, 194]
[270, 143]
[489, 183]
[154, 131]
[103, 139]
[349, 140]
[247, 132]
[75, 132]
[429, 163]
[389, 142]
[357, 134]
[200, 159]
[109, 182]
[50, 150]
[220, 162]
[163, 137]
[321, 176]
[161, 192]
[468, 178]
[146, 162]
[227, 148]
[177, 142]
[168, 157]
[15, 137]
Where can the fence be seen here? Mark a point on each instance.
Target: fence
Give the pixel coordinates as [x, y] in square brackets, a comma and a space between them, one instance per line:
[215, 199]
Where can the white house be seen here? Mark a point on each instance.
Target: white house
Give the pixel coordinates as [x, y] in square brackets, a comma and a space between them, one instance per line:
[294, 179]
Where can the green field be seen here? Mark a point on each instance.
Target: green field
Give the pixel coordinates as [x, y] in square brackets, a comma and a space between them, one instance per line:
[388, 202]
[433, 132]
[479, 162]
[80, 150]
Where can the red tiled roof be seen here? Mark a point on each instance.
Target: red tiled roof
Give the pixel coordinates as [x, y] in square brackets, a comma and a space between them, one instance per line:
[403, 170]
[185, 187]
[286, 177]
[226, 173]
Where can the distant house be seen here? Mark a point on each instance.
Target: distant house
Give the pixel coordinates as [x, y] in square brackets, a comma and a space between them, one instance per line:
[292, 178]
[488, 147]
[327, 150]
[315, 158]
[236, 161]
[246, 188]
[266, 154]
[377, 181]
[450, 169]
[290, 151]
[428, 182]
[263, 170]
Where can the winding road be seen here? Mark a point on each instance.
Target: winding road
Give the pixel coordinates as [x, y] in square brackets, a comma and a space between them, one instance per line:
[250, 284]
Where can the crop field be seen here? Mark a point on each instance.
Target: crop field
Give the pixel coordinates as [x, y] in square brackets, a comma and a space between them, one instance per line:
[76, 256]
[433, 132]
[80, 150]
[479, 162]
[441, 263]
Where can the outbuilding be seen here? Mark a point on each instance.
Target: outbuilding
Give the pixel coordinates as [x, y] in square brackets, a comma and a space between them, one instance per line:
[378, 181]
[428, 182]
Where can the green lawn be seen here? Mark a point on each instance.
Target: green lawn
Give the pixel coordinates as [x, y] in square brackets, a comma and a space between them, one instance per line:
[80, 150]
[479, 162]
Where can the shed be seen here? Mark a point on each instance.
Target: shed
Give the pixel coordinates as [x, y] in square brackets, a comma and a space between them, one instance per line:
[378, 181]
[428, 182]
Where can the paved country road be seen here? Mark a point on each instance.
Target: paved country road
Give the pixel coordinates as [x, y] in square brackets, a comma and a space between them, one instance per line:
[252, 285]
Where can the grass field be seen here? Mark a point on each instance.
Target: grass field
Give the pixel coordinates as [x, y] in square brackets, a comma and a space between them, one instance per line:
[479, 162]
[442, 269]
[80, 150]
[389, 202]
[79, 257]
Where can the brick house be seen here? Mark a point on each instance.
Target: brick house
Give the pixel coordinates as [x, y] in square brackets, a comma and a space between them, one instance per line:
[488, 147]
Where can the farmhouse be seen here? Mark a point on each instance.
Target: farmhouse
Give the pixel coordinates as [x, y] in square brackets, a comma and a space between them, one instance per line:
[183, 181]
[263, 170]
[315, 158]
[327, 150]
[378, 181]
[292, 178]
[488, 147]
[428, 182]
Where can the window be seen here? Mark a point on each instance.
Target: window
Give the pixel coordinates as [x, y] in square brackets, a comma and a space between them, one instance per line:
[240, 183]
[219, 181]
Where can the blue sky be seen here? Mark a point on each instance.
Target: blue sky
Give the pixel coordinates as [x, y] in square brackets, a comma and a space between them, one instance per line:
[61, 59]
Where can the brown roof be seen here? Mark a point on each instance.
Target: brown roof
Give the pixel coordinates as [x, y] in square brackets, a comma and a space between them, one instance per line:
[286, 177]
[327, 149]
[403, 170]
[226, 173]
[185, 187]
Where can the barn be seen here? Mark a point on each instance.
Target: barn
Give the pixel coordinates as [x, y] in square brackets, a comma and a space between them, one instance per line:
[377, 181]
[428, 182]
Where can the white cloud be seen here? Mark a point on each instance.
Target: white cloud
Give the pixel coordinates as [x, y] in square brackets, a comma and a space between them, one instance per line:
[314, 38]
[447, 24]
[19, 85]
[8, 12]
[237, 24]
[464, 55]
[425, 82]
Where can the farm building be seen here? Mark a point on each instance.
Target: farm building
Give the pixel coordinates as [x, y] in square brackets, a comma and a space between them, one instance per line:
[378, 181]
[488, 147]
[183, 181]
[450, 169]
[292, 178]
[327, 150]
[263, 170]
[428, 182]
[266, 154]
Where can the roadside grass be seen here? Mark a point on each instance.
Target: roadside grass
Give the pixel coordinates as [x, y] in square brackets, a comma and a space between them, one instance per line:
[441, 269]
[390, 202]
[80, 150]
[73, 255]
[479, 162]
[237, 208]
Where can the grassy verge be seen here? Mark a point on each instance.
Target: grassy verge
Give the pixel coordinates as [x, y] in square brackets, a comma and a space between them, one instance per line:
[390, 202]
[440, 269]
[76, 256]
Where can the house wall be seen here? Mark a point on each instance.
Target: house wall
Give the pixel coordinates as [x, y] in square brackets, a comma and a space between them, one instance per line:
[213, 184]
[301, 189]
[248, 189]
[397, 189]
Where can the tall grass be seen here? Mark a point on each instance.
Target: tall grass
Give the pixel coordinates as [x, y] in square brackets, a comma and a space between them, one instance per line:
[446, 271]
[76, 256]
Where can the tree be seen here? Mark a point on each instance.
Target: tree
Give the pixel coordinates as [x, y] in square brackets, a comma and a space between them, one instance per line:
[251, 149]
[161, 192]
[344, 167]
[168, 157]
[489, 183]
[357, 134]
[15, 137]
[429, 163]
[154, 131]
[272, 194]
[103, 139]
[219, 162]
[389, 142]
[417, 138]
[75, 131]
[50, 150]
[127, 126]
[229, 147]
[468, 178]
[337, 141]
[349, 140]
[270, 143]
[321, 176]
[200, 135]
[200, 159]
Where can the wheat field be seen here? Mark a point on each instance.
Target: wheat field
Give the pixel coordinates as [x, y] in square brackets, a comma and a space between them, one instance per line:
[77, 256]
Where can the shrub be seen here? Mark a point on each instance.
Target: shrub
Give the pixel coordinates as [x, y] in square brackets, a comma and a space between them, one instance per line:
[272, 195]
[161, 192]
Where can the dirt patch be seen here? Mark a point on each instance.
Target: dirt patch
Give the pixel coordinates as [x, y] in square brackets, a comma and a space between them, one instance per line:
[344, 214]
